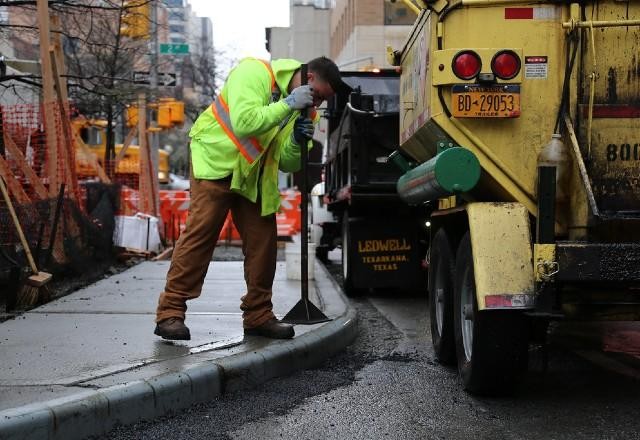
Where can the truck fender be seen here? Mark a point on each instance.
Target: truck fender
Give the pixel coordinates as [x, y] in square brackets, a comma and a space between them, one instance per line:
[502, 255]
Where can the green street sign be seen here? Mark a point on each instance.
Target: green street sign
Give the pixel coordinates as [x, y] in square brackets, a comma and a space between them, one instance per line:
[174, 49]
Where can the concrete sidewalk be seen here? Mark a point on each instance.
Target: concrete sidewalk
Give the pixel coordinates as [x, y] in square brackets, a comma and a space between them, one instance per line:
[86, 362]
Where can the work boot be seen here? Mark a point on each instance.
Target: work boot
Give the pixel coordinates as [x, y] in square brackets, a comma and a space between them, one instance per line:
[173, 328]
[273, 328]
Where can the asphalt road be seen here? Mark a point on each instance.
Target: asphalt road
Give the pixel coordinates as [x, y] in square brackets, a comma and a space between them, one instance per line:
[387, 386]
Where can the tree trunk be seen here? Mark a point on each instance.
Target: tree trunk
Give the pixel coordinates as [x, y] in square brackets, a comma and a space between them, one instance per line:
[110, 150]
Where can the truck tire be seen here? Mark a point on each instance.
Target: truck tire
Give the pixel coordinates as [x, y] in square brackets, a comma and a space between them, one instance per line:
[440, 282]
[491, 345]
[347, 258]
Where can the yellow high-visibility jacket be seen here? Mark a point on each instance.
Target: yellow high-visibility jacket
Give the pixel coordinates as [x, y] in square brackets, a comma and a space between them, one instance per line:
[251, 98]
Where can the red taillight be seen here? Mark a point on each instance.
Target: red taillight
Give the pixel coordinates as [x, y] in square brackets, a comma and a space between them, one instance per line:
[466, 65]
[505, 65]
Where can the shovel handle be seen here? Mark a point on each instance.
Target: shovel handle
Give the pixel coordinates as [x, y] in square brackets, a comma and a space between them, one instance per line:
[304, 251]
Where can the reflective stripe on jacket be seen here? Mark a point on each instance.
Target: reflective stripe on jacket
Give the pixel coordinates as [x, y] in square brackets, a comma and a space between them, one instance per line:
[249, 147]
[221, 144]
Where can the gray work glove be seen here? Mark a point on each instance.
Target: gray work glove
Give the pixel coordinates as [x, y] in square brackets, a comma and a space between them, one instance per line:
[302, 130]
[300, 98]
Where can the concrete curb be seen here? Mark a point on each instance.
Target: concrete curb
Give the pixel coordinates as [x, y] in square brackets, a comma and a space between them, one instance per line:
[96, 412]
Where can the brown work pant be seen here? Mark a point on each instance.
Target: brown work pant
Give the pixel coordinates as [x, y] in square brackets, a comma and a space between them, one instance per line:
[211, 201]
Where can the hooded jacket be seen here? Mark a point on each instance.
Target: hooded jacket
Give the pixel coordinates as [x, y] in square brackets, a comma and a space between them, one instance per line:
[255, 111]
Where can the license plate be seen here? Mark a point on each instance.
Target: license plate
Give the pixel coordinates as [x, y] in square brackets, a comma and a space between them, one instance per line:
[478, 101]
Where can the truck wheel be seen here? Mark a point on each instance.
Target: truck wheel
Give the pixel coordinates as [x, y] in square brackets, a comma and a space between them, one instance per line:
[491, 345]
[440, 281]
[347, 277]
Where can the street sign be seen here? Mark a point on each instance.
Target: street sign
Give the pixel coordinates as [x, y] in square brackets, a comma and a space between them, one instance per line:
[174, 49]
[164, 79]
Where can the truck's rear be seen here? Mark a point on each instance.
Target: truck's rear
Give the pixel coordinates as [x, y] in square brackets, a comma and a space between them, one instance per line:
[550, 227]
[382, 238]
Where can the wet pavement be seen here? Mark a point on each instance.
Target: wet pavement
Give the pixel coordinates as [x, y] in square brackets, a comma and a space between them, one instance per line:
[387, 385]
[102, 335]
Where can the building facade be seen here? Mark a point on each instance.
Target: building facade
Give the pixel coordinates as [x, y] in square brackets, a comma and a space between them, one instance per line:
[362, 29]
[199, 68]
[307, 36]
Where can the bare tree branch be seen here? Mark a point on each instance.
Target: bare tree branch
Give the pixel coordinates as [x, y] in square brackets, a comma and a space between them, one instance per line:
[72, 4]
[26, 79]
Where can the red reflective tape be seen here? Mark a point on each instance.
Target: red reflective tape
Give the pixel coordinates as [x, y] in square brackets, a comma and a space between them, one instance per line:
[510, 301]
[518, 13]
[613, 111]
[536, 60]
[497, 301]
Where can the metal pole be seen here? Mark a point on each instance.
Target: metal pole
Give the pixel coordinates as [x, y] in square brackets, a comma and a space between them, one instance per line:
[304, 312]
[304, 205]
[153, 70]
[153, 82]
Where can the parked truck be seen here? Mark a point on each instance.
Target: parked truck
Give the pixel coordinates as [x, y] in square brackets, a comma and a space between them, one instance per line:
[524, 118]
[383, 240]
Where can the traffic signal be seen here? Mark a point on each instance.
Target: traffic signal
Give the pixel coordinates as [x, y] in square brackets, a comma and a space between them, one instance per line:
[177, 113]
[136, 19]
[132, 116]
[170, 113]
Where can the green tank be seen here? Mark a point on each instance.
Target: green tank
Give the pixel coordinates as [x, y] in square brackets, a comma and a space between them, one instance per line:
[454, 170]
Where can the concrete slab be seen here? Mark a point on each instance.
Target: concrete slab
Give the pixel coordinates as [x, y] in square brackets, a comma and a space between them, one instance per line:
[69, 348]
[218, 270]
[196, 356]
[88, 361]
[106, 329]
[13, 396]
[129, 292]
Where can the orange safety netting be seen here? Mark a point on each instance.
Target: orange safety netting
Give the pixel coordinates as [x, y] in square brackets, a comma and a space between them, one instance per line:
[36, 161]
[38, 158]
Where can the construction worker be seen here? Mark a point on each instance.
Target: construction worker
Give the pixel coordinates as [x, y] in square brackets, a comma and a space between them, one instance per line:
[253, 129]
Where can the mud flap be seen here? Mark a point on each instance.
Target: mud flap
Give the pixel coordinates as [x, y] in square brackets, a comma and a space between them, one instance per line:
[502, 256]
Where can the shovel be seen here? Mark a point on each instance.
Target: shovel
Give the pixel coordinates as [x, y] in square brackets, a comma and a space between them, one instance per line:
[304, 312]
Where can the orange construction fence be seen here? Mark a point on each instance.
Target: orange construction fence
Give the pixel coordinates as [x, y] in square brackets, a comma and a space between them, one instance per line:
[174, 210]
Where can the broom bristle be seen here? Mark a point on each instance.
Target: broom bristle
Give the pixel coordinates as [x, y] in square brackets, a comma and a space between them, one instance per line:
[34, 291]
[28, 296]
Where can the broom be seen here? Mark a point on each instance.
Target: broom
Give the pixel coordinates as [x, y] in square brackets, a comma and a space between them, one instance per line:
[30, 292]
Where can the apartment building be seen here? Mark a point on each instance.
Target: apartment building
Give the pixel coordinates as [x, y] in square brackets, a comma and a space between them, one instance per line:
[308, 33]
[360, 31]
[198, 69]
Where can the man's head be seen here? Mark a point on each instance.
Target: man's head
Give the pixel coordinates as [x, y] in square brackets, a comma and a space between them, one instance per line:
[324, 78]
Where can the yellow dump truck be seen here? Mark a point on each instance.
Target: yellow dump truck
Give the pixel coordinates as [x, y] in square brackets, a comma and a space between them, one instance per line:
[524, 118]
[93, 133]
